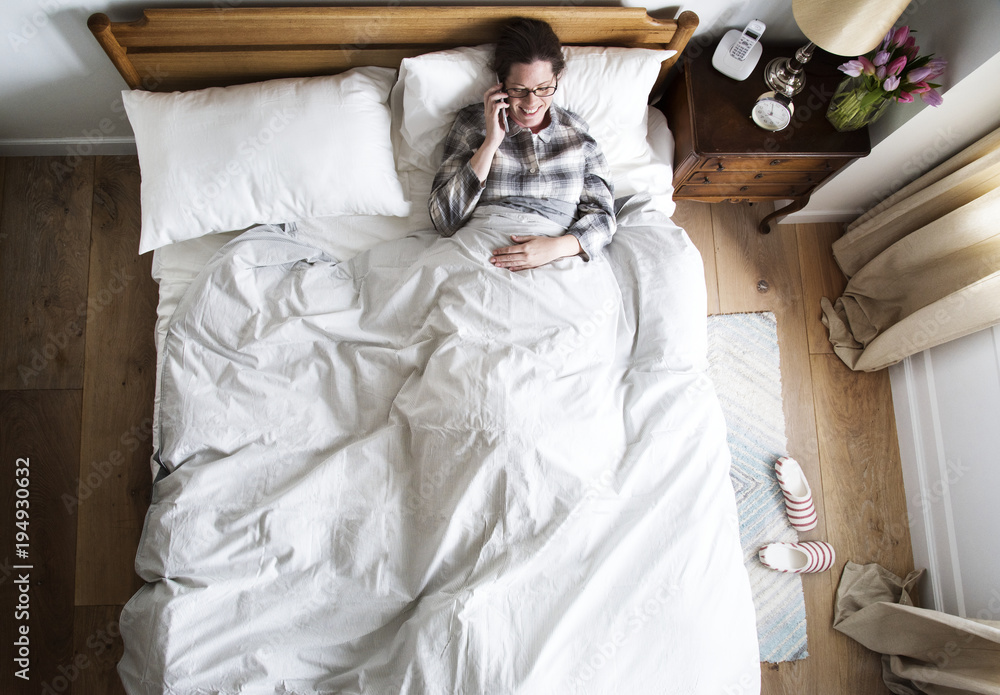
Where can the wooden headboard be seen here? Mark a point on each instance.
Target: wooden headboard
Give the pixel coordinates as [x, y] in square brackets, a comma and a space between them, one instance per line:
[179, 49]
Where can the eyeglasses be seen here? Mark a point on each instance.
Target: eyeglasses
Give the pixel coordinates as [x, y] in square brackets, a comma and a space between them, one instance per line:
[520, 92]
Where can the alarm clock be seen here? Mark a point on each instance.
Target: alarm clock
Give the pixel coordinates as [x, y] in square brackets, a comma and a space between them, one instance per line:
[772, 111]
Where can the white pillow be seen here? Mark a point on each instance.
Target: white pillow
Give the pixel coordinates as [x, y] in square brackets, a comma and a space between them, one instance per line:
[607, 87]
[220, 159]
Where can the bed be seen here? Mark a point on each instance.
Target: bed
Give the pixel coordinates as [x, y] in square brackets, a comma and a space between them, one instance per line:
[382, 465]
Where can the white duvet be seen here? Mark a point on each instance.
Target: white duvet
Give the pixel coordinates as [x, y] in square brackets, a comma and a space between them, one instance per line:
[415, 473]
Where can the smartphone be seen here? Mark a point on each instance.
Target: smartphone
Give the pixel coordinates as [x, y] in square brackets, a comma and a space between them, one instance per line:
[503, 112]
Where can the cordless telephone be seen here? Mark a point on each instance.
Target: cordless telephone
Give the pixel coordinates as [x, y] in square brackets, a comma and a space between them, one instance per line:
[738, 52]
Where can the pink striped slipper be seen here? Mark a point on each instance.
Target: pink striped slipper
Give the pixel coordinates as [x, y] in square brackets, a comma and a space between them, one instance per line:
[806, 556]
[798, 496]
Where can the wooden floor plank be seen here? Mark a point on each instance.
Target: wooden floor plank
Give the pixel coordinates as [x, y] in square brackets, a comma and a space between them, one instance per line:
[45, 228]
[42, 426]
[696, 219]
[857, 436]
[821, 277]
[97, 650]
[826, 645]
[865, 499]
[118, 391]
[760, 272]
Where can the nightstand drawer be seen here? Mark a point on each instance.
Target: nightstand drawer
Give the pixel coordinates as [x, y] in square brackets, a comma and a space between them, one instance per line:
[776, 163]
[763, 191]
[751, 177]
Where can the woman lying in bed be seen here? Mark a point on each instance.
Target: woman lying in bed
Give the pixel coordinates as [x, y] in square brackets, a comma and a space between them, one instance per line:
[543, 162]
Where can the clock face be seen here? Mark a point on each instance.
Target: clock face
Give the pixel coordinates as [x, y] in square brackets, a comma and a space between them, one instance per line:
[771, 114]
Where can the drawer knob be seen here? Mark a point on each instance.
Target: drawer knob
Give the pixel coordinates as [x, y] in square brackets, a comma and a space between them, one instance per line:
[744, 188]
[705, 180]
[720, 167]
[775, 162]
[759, 176]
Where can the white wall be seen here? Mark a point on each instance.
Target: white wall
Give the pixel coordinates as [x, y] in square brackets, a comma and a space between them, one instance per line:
[717, 16]
[947, 403]
[60, 93]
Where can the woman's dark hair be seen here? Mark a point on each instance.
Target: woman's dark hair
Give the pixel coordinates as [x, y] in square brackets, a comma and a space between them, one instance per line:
[525, 40]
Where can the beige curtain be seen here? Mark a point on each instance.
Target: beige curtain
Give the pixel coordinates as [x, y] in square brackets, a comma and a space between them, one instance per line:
[924, 651]
[923, 267]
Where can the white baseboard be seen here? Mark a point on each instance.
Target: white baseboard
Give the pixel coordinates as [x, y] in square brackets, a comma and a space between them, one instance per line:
[926, 477]
[810, 217]
[66, 147]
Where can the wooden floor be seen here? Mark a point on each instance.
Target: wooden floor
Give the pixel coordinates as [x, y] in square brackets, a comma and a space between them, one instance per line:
[76, 394]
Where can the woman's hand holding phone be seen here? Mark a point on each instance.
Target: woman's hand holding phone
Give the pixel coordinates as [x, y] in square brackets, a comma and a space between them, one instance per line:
[495, 108]
[495, 104]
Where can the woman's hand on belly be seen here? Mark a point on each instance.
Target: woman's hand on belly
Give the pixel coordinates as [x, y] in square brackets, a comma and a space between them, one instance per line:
[534, 251]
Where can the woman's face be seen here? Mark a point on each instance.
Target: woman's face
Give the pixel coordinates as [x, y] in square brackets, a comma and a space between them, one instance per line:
[530, 111]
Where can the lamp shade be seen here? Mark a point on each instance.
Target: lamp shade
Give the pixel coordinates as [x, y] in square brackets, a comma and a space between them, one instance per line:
[847, 27]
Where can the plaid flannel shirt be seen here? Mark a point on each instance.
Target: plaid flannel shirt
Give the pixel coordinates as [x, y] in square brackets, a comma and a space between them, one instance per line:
[561, 162]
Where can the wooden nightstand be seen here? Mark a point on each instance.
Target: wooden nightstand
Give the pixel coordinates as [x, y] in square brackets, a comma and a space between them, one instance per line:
[720, 154]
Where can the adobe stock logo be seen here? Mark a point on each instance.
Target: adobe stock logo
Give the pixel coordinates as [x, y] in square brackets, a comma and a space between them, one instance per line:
[236, 168]
[806, 107]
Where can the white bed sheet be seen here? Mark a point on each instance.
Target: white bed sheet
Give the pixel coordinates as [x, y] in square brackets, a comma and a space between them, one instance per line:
[456, 546]
[615, 579]
[176, 266]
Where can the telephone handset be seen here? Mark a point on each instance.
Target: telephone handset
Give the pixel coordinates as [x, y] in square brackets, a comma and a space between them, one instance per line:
[748, 39]
[503, 112]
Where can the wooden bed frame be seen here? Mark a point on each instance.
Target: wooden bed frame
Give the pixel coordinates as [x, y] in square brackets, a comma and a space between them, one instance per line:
[179, 49]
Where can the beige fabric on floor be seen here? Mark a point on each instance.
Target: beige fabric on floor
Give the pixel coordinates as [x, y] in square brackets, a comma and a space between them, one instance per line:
[923, 266]
[924, 651]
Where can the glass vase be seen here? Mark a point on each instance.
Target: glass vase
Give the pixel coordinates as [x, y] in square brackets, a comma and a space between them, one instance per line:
[854, 105]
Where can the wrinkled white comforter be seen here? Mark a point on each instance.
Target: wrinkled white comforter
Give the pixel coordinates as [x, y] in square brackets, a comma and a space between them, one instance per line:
[416, 473]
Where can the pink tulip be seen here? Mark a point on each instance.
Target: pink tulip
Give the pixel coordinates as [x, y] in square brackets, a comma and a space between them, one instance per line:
[886, 44]
[852, 68]
[890, 75]
[896, 66]
[937, 67]
[932, 97]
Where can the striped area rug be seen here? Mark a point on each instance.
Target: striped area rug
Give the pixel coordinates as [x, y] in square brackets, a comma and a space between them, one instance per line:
[744, 365]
